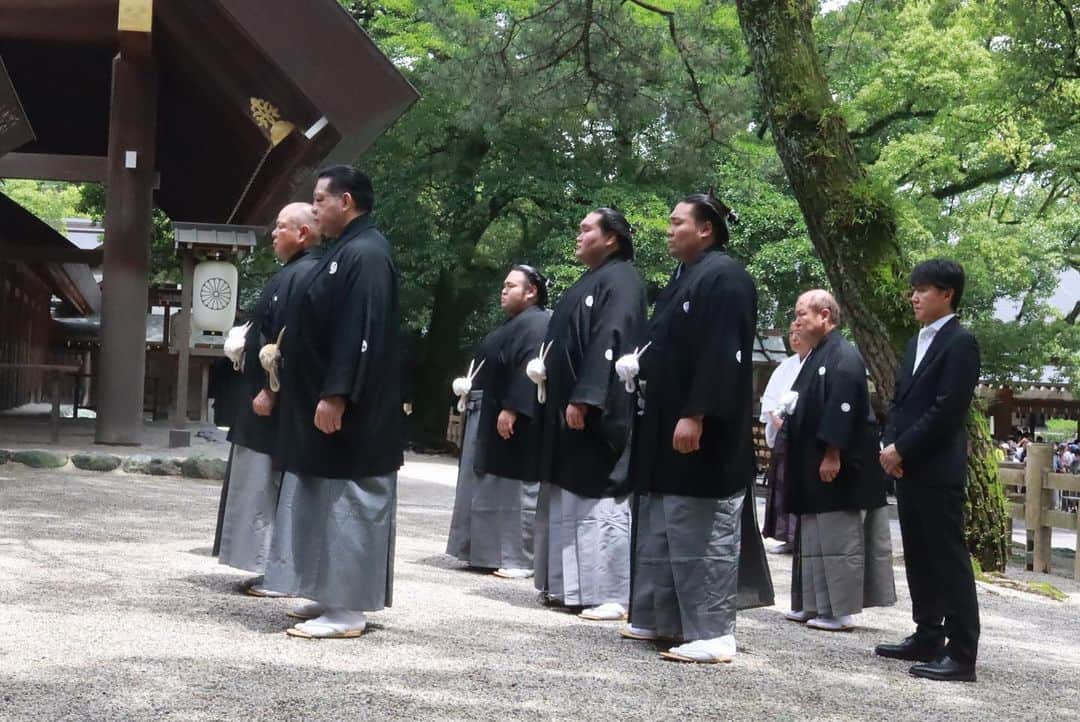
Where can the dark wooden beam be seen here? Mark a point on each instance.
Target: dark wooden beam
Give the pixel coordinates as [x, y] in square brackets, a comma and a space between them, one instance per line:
[50, 254]
[70, 21]
[69, 168]
[45, 166]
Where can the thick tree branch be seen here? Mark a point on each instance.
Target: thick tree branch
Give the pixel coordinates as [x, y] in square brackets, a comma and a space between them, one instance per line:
[1073, 314]
[879, 125]
[974, 180]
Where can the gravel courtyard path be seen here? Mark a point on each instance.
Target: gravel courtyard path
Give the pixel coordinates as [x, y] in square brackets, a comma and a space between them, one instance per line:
[111, 608]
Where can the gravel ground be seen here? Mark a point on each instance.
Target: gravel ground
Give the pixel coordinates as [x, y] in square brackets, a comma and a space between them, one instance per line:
[113, 609]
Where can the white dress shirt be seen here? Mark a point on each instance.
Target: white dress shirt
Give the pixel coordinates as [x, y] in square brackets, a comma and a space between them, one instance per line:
[926, 337]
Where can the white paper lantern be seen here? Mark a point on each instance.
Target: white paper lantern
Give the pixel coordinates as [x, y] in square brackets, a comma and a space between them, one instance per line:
[214, 294]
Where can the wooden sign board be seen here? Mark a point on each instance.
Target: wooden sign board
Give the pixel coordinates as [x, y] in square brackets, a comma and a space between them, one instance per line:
[15, 127]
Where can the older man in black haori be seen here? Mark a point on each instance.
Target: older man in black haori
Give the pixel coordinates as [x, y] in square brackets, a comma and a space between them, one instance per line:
[341, 408]
[250, 493]
[843, 558]
[583, 513]
[698, 555]
[495, 502]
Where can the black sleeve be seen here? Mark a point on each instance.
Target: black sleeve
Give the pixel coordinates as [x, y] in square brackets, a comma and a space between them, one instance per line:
[846, 403]
[362, 313]
[616, 321]
[719, 311]
[519, 394]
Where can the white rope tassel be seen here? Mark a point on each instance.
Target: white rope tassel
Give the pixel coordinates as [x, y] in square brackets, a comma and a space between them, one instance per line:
[269, 356]
[234, 345]
[628, 367]
[537, 372]
[463, 384]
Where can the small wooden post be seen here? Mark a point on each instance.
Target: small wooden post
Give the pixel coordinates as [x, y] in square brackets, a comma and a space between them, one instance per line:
[1036, 499]
[183, 341]
[1076, 557]
[204, 394]
[54, 395]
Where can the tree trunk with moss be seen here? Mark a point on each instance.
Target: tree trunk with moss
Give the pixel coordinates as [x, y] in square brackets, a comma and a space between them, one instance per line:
[853, 228]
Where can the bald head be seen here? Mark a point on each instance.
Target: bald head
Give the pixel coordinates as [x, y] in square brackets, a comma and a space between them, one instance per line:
[816, 314]
[301, 214]
[295, 230]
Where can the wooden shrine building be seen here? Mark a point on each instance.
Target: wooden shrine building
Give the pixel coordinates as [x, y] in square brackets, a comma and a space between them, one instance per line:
[215, 111]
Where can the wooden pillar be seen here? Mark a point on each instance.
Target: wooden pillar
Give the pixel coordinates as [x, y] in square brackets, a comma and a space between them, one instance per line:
[1036, 499]
[128, 228]
[204, 393]
[183, 340]
[53, 381]
[1003, 413]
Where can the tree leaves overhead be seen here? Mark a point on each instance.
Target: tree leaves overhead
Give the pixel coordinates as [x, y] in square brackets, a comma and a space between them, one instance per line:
[965, 114]
[971, 112]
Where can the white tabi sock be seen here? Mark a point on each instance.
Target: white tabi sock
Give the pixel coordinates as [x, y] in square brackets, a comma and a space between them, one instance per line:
[609, 611]
[338, 620]
[311, 610]
[707, 650]
[833, 624]
[803, 616]
[513, 573]
[644, 633]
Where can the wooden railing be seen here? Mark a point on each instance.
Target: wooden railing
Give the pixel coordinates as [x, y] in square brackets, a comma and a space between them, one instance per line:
[1035, 504]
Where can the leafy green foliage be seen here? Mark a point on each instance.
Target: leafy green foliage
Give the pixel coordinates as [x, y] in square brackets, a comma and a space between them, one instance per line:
[49, 201]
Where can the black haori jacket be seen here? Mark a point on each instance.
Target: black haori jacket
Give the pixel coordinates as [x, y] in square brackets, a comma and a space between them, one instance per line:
[833, 410]
[700, 363]
[259, 433]
[597, 320]
[341, 339]
[506, 352]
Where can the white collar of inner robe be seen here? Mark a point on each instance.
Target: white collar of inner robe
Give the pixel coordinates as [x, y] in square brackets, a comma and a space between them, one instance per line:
[926, 337]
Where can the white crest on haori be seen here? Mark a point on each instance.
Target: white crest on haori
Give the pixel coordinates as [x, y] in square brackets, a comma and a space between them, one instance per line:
[686, 307]
[333, 267]
[845, 407]
[363, 346]
[588, 301]
[275, 298]
[821, 371]
[609, 355]
[738, 356]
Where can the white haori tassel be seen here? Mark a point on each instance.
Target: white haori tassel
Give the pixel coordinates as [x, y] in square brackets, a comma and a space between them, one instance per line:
[628, 367]
[270, 357]
[463, 384]
[788, 401]
[234, 345]
[536, 370]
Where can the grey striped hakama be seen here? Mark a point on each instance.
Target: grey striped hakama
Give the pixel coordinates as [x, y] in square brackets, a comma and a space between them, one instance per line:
[493, 519]
[334, 541]
[248, 522]
[843, 563]
[686, 565]
[582, 548]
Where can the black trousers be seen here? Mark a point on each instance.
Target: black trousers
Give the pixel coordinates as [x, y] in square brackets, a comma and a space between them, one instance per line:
[939, 574]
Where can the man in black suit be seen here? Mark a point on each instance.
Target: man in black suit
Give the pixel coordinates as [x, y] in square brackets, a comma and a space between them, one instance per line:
[926, 449]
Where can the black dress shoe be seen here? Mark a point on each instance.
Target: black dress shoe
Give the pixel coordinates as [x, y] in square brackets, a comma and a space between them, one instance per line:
[945, 669]
[911, 650]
